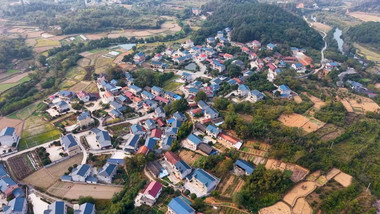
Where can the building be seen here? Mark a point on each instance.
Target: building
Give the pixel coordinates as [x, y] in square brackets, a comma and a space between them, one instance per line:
[8, 187]
[171, 158]
[80, 173]
[192, 142]
[107, 172]
[16, 206]
[57, 207]
[84, 119]
[242, 167]
[212, 131]
[62, 106]
[150, 194]
[243, 90]
[146, 95]
[160, 112]
[8, 137]
[179, 117]
[179, 206]
[271, 46]
[202, 183]
[181, 169]
[150, 143]
[86, 208]
[150, 124]
[167, 143]
[297, 66]
[132, 143]
[103, 138]
[135, 89]
[210, 113]
[156, 134]
[157, 91]
[284, 90]
[139, 58]
[229, 141]
[69, 144]
[137, 129]
[256, 95]
[83, 96]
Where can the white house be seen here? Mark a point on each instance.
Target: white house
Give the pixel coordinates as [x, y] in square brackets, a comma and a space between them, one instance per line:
[56, 207]
[86, 208]
[243, 90]
[201, 183]
[81, 172]
[8, 137]
[192, 142]
[256, 95]
[106, 173]
[16, 206]
[150, 194]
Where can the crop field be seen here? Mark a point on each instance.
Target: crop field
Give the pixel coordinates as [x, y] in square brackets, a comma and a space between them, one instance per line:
[230, 185]
[298, 172]
[367, 17]
[300, 121]
[358, 104]
[302, 207]
[91, 88]
[343, 179]
[228, 210]
[47, 43]
[76, 73]
[367, 53]
[6, 86]
[189, 156]
[46, 177]
[67, 84]
[329, 132]
[300, 190]
[24, 164]
[279, 207]
[171, 84]
[79, 86]
[120, 129]
[74, 191]
[321, 27]
[102, 63]
[24, 113]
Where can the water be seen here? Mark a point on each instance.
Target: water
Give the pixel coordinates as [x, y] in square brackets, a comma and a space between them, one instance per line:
[338, 38]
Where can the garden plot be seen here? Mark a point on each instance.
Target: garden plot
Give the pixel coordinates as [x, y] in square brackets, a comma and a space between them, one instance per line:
[300, 121]
[277, 208]
[359, 104]
[298, 172]
[302, 207]
[318, 103]
[23, 165]
[26, 112]
[189, 156]
[329, 132]
[300, 190]
[230, 185]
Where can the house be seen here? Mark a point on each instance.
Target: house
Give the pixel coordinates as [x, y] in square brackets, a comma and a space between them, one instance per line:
[252, 56]
[203, 105]
[160, 112]
[202, 182]
[181, 169]
[66, 95]
[227, 56]
[80, 173]
[243, 90]
[255, 44]
[143, 150]
[229, 141]
[256, 95]
[186, 77]
[135, 89]
[157, 57]
[242, 167]
[232, 82]
[16, 206]
[188, 44]
[9, 137]
[171, 158]
[245, 50]
[218, 66]
[69, 144]
[171, 132]
[86, 208]
[150, 194]
[182, 59]
[200, 127]
[167, 143]
[176, 123]
[284, 90]
[8, 187]
[156, 134]
[212, 131]
[84, 119]
[62, 106]
[139, 58]
[103, 138]
[332, 65]
[192, 142]
[146, 95]
[117, 106]
[157, 91]
[156, 169]
[108, 97]
[205, 148]
[57, 207]
[150, 104]
[149, 123]
[158, 65]
[355, 85]
[179, 116]
[211, 113]
[3, 173]
[210, 40]
[297, 66]
[179, 206]
[136, 129]
[84, 96]
[115, 113]
[271, 46]
[150, 143]
[107, 172]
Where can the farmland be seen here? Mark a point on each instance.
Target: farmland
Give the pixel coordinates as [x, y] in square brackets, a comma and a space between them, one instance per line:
[366, 17]
[229, 185]
[300, 121]
[367, 53]
[189, 156]
[23, 165]
[6, 86]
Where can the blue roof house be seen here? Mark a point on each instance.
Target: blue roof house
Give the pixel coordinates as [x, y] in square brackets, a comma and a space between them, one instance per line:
[132, 143]
[107, 172]
[179, 206]
[181, 169]
[86, 208]
[192, 142]
[212, 130]
[16, 206]
[137, 129]
[242, 167]
[57, 207]
[204, 182]
[102, 138]
[69, 143]
[81, 172]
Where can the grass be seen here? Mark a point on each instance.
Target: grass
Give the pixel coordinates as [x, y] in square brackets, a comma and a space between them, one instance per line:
[367, 53]
[170, 85]
[97, 50]
[39, 139]
[46, 43]
[24, 113]
[154, 44]
[76, 73]
[6, 86]
[12, 71]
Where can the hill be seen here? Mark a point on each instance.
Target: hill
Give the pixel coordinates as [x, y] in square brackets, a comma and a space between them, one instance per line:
[366, 33]
[366, 5]
[257, 21]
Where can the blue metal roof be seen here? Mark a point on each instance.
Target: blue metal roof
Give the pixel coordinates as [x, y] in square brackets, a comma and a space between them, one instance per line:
[203, 177]
[182, 166]
[168, 141]
[284, 88]
[257, 93]
[110, 168]
[243, 88]
[84, 115]
[213, 129]
[176, 124]
[136, 128]
[135, 87]
[150, 143]
[7, 131]
[115, 161]
[158, 89]
[195, 139]
[180, 207]
[245, 165]
[66, 178]
[83, 169]
[87, 208]
[133, 140]
[68, 141]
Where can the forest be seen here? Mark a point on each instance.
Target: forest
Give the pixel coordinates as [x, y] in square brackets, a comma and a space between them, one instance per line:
[367, 33]
[254, 21]
[82, 20]
[13, 49]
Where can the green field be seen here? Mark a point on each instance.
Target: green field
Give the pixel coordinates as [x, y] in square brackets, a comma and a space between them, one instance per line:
[38, 139]
[6, 86]
[47, 43]
[170, 85]
[11, 71]
[24, 113]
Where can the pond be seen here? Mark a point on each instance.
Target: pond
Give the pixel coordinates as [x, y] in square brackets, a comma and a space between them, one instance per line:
[338, 38]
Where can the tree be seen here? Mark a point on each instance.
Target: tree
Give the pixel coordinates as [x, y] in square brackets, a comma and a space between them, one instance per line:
[193, 196]
[201, 95]
[233, 70]
[87, 199]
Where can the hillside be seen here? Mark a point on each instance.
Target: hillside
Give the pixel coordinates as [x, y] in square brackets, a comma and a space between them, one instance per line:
[256, 21]
[366, 5]
[366, 33]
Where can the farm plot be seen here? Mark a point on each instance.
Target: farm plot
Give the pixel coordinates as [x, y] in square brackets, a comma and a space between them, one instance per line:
[277, 208]
[6, 86]
[367, 52]
[321, 27]
[46, 177]
[359, 104]
[329, 132]
[24, 164]
[302, 207]
[24, 113]
[76, 73]
[318, 103]
[300, 121]
[189, 156]
[95, 191]
[102, 63]
[300, 190]
[229, 210]
[80, 86]
[298, 172]
[230, 185]
[343, 179]
[367, 17]
[91, 88]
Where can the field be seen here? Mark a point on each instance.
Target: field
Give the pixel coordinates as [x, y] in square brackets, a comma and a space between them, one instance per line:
[230, 185]
[329, 132]
[321, 27]
[47, 43]
[302, 207]
[367, 53]
[189, 156]
[300, 190]
[17, 124]
[300, 121]
[120, 129]
[80, 86]
[343, 179]
[367, 17]
[24, 164]
[76, 73]
[318, 103]
[228, 210]
[46, 177]
[6, 86]
[74, 191]
[357, 104]
[277, 208]
[298, 172]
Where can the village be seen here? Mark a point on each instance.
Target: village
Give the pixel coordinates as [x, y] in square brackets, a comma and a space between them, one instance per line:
[126, 120]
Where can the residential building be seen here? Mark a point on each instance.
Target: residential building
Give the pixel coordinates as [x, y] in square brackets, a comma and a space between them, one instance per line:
[243, 90]
[167, 143]
[150, 143]
[8, 187]
[160, 112]
[103, 138]
[146, 95]
[150, 194]
[192, 142]
[62, 106]
[86, 208]
[229, 141]
[69, 144]
[139, 58]
[271, 46]
[179, 206]
[57, 207]
[157, 91]
[117, 106]
[81, 172]
[84, 119]
[83, 96]
[135, 89]
[156, 134]
[143, 150]
[284, 89]
[107, 172]
[242, 167]
[16, 206]
[212, 131]
[150, 124]
[256, 95]
[211, 113]
[181, 169]
[132, 143]
[137, 129]
[179, 116]
[202, 181]
[9, 137]
[203, 105]
[115, 113]
[297, 66]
